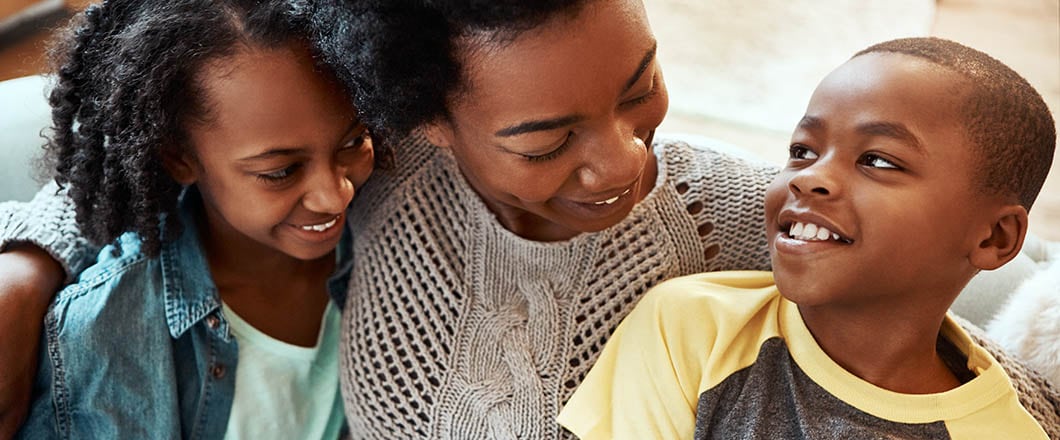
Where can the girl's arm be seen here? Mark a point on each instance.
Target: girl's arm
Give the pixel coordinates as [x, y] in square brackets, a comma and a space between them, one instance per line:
[41, 249]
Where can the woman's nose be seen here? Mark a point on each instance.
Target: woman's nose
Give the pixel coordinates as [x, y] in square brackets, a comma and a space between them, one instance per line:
[614, 160]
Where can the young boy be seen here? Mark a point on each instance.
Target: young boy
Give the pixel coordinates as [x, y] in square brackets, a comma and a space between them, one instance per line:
[913, 169]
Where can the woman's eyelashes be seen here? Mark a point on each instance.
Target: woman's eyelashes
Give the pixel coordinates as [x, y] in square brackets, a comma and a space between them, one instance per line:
[551, 154]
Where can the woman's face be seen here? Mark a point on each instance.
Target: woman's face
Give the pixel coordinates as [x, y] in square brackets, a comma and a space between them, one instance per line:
[554, 129]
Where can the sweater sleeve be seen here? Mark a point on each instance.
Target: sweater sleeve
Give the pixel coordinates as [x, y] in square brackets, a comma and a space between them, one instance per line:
[48, 222]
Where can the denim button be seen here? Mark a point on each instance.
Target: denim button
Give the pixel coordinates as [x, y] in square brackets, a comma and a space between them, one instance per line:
[212, 321]
[218, 371]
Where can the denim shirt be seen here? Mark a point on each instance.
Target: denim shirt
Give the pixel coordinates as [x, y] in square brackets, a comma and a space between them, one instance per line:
[138, 348]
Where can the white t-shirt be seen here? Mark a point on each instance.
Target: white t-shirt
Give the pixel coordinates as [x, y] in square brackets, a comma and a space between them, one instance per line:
[285, 391]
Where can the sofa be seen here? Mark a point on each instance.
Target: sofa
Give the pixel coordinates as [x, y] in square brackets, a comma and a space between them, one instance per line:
[1030, 326]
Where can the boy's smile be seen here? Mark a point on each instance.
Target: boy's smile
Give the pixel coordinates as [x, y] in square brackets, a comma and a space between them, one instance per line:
[877, 200]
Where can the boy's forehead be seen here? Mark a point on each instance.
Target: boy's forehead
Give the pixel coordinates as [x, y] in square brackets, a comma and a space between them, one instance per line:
[897, 89]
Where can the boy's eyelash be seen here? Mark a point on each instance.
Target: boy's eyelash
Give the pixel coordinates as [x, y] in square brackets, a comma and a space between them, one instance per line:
[551, 154]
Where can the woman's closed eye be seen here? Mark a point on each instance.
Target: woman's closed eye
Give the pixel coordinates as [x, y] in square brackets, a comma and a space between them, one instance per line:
[551, 154]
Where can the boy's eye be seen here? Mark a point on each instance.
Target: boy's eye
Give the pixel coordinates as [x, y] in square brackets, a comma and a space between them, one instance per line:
[877, 161]
[280, 175]
[801, 152]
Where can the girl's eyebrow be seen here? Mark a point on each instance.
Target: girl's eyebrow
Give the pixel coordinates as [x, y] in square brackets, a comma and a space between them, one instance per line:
[554, 123]
[291, 151]
[273, 152]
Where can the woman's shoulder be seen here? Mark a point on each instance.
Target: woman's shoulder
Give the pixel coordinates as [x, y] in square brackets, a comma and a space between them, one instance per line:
[688, 157]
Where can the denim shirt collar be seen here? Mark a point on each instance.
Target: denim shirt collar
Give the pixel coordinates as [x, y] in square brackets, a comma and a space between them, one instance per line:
[190, 294]
[188, 287]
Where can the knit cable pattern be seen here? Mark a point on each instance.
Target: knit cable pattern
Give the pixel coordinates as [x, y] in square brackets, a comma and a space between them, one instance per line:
[455, 328]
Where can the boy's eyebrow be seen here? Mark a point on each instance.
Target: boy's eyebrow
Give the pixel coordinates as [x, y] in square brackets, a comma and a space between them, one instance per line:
[291, 151]
[892, 130]
[554, 123]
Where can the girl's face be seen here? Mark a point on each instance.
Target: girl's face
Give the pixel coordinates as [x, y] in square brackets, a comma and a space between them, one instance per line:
[554, 129]
[279, 157]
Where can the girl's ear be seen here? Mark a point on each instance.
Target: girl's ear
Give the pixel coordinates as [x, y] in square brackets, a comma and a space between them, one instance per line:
[439, 132]
[1007, 232]
[181, 165]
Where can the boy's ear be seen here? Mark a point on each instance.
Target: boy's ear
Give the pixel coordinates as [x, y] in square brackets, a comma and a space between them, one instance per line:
[1007, 232]
[180, 165]
[439, 132]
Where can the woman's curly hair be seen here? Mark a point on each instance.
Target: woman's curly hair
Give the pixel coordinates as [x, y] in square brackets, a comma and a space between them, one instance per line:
[400, 58]
[127, 86]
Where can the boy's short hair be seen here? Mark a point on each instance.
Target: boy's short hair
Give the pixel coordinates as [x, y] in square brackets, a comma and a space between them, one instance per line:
[1006, 119]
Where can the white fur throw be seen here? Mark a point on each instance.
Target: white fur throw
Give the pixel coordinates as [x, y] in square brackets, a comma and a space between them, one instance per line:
[1028, 326]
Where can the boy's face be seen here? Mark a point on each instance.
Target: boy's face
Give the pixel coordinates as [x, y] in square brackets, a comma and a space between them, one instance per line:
[877, 200]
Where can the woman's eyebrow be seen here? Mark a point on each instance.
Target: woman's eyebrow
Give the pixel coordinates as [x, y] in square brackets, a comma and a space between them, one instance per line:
[554, 123]
[644, 63]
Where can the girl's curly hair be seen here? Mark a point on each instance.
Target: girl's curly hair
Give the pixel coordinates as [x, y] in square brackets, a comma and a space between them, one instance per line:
[127, 86]
[400, 59]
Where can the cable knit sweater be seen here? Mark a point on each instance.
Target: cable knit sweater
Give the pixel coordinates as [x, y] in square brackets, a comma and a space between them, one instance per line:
[456, 328]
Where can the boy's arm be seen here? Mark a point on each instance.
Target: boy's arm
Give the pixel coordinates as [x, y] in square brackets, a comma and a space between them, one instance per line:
[640, 386]
[40, 249]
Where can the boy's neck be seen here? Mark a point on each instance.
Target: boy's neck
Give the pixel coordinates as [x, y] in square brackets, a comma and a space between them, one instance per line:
[892, 348]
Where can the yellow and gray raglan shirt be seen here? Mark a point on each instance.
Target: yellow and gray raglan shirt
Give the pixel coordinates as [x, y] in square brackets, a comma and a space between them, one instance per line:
[723, 355]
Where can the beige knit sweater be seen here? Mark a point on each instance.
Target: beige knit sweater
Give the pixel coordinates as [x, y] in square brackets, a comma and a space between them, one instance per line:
[456, 328]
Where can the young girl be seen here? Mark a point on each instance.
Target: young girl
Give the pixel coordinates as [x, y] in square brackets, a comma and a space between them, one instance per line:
[201, 140]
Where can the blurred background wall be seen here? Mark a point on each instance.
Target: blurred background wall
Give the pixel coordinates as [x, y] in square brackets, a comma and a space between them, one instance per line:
[742, 70]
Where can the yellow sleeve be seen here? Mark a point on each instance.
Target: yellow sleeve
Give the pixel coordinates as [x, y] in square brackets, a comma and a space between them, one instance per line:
[686, 335]
[633, 391]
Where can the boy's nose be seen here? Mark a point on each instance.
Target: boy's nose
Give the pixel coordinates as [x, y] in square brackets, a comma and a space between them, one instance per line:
[815, 180]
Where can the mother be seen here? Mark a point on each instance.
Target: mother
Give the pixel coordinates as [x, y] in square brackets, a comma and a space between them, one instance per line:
[495, 260]
[528, 209]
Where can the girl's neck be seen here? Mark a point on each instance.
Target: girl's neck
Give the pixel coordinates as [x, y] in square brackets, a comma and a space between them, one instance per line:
[892, 348]
[279, 295]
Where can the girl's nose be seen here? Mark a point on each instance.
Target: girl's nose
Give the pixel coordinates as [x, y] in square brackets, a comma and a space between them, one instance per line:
[329, 192]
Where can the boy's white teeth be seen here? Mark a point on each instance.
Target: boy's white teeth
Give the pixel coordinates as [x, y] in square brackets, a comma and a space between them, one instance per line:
[611, 200]
[811, 232]
[321, 227]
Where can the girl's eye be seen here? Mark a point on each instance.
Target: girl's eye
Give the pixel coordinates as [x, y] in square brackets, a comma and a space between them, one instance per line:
[877, 161]
[358, 141]
[279, 176]
[801, 152]
[551, 154]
